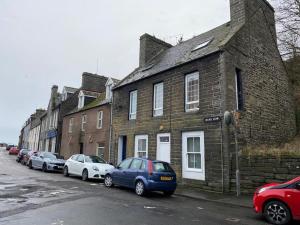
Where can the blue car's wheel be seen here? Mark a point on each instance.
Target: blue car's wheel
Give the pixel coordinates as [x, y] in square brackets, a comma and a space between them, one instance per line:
[140, 188]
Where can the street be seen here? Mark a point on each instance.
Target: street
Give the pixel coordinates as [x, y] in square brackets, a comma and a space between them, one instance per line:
[31, 197]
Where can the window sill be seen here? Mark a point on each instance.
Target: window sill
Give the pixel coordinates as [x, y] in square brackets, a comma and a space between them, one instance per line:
[192, 111]
[194, 170]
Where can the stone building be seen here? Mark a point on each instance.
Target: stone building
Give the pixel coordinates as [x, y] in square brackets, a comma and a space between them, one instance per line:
[49, 123]
[87, 128]
[171, 107]
[35, 127]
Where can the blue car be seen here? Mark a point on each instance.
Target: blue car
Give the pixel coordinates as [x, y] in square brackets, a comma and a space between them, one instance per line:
[143, 175]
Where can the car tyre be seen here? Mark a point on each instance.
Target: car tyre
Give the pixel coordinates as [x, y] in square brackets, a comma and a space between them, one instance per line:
[140, 188]
[277, 213]
[30, 165]
[85, 175]
[168, 193]
[44, 169]
[66, 171]
[108, 182]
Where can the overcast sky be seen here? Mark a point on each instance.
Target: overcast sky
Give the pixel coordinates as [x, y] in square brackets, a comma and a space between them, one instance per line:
[46, 42]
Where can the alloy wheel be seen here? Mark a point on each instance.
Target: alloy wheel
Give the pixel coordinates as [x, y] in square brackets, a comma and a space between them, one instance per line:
[277, 213]
[139, 188]
[108, 181]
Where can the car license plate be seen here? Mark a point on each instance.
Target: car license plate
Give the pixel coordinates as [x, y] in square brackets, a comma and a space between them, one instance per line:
[166, 178]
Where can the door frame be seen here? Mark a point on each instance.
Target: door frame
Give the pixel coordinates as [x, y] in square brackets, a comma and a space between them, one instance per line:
[194, 174]
[158, 142]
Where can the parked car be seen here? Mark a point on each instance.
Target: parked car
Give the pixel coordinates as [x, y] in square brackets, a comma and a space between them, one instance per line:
[27, 157]
[143, 175]
[87, 166]
[278, 203]
[21, 155]
[9, 147]
[13, 151]
[46, 161]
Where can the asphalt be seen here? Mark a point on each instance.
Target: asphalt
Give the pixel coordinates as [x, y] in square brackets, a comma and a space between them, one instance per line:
[31, 197]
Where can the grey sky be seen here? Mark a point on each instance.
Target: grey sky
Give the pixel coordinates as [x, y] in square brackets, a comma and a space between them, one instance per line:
[53, 41]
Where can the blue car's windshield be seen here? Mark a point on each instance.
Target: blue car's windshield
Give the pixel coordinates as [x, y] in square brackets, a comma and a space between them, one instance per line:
[161, 167]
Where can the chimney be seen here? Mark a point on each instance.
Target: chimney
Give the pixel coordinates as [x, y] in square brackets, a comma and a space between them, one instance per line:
[242, 10]
[54, 90]
[150, 46]
[93, 82]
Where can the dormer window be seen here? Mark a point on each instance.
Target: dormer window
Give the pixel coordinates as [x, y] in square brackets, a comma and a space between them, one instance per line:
[80, 100]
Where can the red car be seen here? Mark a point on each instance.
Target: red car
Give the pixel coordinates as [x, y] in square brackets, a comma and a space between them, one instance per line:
[13, 151]
[278, 203]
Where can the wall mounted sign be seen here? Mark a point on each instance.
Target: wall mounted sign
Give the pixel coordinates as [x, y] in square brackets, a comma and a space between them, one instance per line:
[212, 119]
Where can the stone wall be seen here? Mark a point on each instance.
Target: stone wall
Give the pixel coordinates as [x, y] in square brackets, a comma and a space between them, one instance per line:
[259, 170]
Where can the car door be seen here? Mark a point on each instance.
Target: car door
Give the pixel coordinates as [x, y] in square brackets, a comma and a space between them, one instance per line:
[35, 160]
[295, 199]
[132, 172]
[119, 173]
[79, 165]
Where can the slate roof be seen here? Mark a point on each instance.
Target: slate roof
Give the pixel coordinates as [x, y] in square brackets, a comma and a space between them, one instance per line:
[70, 89]
[100, 100]
[183, 53]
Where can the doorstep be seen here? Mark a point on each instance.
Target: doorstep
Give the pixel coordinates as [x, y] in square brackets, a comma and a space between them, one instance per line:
[228, 198]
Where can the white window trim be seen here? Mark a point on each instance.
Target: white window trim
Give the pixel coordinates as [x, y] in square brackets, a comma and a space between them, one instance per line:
[188, 173]
[138, 137]
[83, 122]
[195, 74]
[81, 99]
[132, 115]
[156, 110]
[71, 125]
[99, 146]
[99, 119]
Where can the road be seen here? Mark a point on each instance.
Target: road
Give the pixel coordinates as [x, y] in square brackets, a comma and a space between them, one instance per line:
[31, 197]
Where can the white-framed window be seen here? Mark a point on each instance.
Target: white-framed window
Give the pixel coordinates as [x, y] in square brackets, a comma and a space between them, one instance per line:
[193, 155]
[141, 146]
[71, 121]
[99, 119]
[80, 100]
[132, 105]
[158, 99]
[109, 91]
[192, 92]
[83, 122]
[100, 150]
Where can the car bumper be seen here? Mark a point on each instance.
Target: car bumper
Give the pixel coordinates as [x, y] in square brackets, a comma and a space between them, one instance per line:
[54, 167]
[161, 186]
[93, 174]
[257, 204]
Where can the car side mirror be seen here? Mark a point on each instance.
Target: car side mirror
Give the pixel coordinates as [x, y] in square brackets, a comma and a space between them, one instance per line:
[298, 186]
[81, 161]
[41, 156]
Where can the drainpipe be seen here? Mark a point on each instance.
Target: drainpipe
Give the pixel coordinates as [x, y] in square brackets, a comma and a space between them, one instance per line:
[110, 130]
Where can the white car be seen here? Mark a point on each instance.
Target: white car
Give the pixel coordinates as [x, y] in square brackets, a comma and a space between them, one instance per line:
[88, 167]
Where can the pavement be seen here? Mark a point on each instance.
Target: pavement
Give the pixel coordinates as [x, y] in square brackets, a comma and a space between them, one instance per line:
[229, 199]
[31, 197]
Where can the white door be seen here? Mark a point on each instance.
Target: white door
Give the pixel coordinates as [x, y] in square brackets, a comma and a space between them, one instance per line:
[163, 151]
[193, 155]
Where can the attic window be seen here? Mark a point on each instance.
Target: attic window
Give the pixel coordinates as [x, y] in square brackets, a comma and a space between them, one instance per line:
[202, 45]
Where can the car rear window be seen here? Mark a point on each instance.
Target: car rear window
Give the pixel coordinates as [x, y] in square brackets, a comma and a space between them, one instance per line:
[161, 167]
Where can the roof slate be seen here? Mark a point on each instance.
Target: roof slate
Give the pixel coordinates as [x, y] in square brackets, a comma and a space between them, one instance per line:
[183, 53]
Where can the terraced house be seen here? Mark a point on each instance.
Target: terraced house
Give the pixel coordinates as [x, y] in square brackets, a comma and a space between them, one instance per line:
[171, 107]
[86, 129]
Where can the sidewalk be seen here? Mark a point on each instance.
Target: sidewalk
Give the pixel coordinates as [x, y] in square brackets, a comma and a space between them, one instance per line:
[230, 199]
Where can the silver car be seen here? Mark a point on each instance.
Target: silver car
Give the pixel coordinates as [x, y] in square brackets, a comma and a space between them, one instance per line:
[46, 161]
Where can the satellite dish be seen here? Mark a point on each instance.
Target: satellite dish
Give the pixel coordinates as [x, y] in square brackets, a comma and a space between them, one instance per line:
[228, 118]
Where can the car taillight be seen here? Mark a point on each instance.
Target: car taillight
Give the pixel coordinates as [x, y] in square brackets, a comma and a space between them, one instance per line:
[150, 167]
